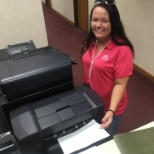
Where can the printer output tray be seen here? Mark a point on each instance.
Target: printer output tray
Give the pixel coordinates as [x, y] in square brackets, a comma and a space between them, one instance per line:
[56, 113]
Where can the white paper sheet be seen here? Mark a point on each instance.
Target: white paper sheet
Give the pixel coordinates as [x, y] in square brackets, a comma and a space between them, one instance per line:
[83, 137]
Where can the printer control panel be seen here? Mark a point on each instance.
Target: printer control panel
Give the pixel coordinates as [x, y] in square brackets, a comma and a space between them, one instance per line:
[71, 129]
[21, 49]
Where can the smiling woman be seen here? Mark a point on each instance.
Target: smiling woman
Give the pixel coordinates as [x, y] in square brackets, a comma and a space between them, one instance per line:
[107, 57]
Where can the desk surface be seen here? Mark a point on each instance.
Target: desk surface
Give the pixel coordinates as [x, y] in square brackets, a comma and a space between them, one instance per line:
[106, 147]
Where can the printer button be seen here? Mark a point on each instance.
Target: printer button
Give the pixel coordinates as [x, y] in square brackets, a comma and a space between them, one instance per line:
[64, 132]
[84, 123]
[76, 126]
[55, 135]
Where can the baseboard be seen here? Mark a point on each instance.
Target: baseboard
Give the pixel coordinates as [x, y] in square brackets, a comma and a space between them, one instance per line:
[143, 72]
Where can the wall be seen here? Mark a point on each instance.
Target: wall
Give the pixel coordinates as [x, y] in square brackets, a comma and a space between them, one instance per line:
[43, 1]
[21, 21]
[138, 20]
[90, 6]
[65, 8]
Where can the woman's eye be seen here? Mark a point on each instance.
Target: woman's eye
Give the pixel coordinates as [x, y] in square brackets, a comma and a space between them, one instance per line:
[94, 20]
[104, 20]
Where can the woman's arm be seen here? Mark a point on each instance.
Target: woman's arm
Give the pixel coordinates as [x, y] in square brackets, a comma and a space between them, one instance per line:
[117, 94]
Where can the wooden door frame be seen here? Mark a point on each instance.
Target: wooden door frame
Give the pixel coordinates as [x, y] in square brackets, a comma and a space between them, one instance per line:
[75, 3]
[48, 3]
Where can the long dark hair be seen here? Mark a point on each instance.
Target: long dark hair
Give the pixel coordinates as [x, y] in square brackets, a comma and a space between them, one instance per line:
[118, 34]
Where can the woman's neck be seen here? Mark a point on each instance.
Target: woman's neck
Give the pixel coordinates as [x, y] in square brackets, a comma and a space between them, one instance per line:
[102, 44]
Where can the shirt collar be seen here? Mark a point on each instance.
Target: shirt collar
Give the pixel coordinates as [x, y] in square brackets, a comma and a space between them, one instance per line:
[110, 45]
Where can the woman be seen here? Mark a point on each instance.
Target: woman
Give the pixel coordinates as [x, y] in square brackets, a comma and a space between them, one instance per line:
[107, 57]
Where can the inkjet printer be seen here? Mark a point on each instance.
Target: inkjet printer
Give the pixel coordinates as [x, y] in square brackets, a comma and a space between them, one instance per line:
[40, 102]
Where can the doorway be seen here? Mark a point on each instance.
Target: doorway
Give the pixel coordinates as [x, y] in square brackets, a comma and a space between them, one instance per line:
[81, 14]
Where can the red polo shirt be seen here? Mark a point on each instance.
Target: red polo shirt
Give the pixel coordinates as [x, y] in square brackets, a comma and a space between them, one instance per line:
[114, 62]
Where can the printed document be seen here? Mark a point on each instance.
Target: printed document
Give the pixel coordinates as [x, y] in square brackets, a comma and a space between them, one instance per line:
[83, 137]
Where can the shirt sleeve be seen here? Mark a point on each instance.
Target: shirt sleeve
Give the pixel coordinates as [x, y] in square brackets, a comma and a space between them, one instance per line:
[123, 66]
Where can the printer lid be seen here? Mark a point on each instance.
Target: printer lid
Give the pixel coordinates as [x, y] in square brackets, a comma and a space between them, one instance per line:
[38, 70]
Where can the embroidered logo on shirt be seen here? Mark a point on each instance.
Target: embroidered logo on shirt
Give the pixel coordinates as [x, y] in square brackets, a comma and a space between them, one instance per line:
[105, 58]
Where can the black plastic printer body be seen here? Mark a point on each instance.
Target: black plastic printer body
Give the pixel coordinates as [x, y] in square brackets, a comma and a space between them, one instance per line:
[54, 116]
[34, 73]
[40, 102]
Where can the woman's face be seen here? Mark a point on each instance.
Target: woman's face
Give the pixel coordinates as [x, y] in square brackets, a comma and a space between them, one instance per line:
[100, 24]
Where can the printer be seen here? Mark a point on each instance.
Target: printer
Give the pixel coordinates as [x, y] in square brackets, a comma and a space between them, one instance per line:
[39, 100]
[34, 72]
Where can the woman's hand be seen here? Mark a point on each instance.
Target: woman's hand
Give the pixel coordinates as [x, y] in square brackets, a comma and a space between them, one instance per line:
[107, 120]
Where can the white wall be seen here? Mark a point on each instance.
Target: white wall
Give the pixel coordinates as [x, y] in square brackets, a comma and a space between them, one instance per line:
[43, 1]
[21, 21]
[64, 7]
[90, 6]
[138, 19]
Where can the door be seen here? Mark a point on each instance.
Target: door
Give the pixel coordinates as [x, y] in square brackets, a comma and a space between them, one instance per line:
[48, 3]
[81, 14]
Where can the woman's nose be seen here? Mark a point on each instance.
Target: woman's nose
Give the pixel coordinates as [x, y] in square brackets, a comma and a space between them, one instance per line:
[99, 24]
